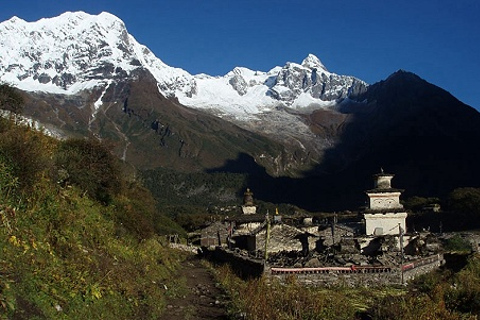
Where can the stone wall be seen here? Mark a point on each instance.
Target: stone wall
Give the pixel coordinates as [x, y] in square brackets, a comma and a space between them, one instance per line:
[215, 234]
[247, 267]
[356, 275]
[282, 238]
[422, 266]
[244, 266]
[331, 277]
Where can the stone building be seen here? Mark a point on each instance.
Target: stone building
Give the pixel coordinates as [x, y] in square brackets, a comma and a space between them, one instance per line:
[248, 206]
[370, 251]
[385, 214]
[249, 220]
[215, 234]
[283, 237]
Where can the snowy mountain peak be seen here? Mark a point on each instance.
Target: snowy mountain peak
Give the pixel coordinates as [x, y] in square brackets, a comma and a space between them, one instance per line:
[77, 17]
[312, 62]
[77, 51]
[66, 54]
[15, 20]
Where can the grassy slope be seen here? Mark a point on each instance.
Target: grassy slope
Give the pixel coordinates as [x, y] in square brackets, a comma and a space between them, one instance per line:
[65, 255]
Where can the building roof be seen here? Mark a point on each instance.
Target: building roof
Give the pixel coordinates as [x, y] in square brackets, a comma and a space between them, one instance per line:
[386, 210]
[384, 190]
[246, 218]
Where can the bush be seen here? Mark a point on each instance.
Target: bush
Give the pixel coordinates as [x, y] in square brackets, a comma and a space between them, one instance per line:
[26, 153]
[11, 99]
[417, 204]
[457, 243]
[135, 211]
[61, 255]
[465, 201]
[88, 164]
[464, 294]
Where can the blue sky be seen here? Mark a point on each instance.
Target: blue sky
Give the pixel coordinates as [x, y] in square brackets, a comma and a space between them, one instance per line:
[370, 39]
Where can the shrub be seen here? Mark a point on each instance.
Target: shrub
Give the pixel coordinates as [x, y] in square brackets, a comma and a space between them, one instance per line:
[26, 153]
[11, 99]
[457, 243]
[465, 201]
[135, 211]
[464, 294]
[90, 165]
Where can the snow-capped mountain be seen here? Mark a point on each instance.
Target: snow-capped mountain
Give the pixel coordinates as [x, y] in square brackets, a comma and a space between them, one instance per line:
[85, 75]
[73, 52]
[77, 51]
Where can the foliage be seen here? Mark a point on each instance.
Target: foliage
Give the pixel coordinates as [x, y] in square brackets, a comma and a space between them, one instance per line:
[437, 295]
[457, 243]
[463, 295]
[283, 208]
[412, 307]
[195, 221]
[135, 211]
[8, 180]
[462, 210]
[195, 199]
[166, 226]
[465, 201]
[288, 301]
[417, 203]
[11, 99]
[66, 252]
[199, 189]
[26, 153]
[88, 164]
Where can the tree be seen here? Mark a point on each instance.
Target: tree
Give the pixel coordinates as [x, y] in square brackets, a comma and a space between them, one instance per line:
[465, 201]
[89, 164]
[417, 204]
[11, 99]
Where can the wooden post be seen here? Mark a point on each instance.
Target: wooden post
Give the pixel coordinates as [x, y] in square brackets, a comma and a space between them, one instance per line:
[400, 231]
[267, 236]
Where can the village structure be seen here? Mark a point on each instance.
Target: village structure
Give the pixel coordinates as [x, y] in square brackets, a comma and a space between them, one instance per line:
[385, 214]
[373, 249]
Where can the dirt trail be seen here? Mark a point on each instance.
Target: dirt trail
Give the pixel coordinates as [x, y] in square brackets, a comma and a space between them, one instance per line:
[195, 295]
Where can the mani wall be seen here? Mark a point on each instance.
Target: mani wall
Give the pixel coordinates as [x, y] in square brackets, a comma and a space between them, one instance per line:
[247, 267]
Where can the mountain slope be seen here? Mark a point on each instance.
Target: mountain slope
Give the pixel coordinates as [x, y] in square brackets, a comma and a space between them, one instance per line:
[78, 69]
[85, 75]
[422, 130]
[149, 130]
[407, 126]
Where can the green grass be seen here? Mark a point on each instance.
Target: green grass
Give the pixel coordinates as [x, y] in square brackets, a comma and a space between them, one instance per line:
[65, 253]
[71, 260]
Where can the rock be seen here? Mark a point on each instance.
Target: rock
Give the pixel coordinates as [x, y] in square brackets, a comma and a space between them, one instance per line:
[313, 263]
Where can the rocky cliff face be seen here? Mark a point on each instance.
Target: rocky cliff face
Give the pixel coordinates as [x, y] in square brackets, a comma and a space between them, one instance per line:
[312, 78]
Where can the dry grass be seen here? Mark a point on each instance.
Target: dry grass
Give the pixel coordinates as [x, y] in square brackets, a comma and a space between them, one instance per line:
[434, 296]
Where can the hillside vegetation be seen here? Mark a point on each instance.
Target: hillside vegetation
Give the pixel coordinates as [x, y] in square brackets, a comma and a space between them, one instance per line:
[78, 240]
[443, 294]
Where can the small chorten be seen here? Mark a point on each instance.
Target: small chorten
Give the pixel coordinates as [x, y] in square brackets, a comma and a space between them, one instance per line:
[385, 214]
[248, 206]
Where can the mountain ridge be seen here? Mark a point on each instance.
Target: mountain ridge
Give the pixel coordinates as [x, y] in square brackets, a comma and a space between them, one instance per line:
[74, 51]
[301, 132]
